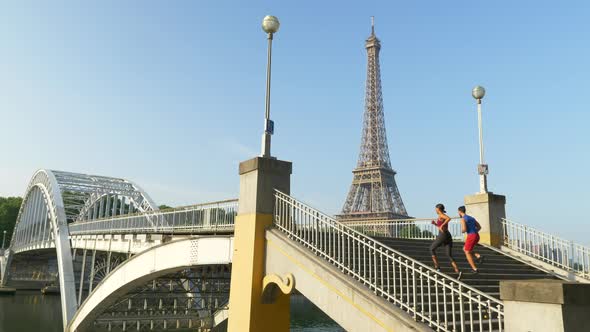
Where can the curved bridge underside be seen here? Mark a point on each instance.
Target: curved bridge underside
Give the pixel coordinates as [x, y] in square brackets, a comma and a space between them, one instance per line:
[200, 267]
[55, 198]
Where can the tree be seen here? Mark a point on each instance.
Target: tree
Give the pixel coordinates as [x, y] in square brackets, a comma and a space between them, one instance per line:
[9, 207]
[428, 234]
[221, 216]
[414, 232]
[164, 207]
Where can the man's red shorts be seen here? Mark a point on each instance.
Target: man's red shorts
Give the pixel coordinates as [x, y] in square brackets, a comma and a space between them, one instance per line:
[471, 241]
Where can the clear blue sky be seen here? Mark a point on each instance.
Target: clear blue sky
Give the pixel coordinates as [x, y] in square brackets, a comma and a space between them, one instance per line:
[170, 94]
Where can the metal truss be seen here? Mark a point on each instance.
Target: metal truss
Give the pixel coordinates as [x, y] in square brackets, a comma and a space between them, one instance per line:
[89, 197]
[77, 197]
[373, 193]
[36, 266]
[93, 266]
[185, 299]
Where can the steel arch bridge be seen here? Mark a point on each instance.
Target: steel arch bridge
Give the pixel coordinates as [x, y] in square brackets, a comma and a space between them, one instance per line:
[76, 229]
[54, 199]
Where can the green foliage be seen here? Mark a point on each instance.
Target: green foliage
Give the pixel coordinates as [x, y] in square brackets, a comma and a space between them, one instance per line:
[9, 207]
[428, 234]
[164, 207]
[220, 216]
[414, 232]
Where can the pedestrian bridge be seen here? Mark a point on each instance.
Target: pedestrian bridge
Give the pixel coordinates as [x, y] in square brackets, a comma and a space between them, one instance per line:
[74, 230]
[120, 263]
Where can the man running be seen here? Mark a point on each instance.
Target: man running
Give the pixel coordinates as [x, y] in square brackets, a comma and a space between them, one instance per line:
[470, 226]
[444, 238]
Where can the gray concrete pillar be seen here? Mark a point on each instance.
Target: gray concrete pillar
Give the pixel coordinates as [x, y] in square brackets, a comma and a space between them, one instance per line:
[545, 305]
[488, 209]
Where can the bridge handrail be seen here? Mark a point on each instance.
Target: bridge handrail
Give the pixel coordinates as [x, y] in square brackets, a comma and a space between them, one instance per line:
[185, 219]
[400, 276]
[547, 248]
[163, 211]
[414, 228]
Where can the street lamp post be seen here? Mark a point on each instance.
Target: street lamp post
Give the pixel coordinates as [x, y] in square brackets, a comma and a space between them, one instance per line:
[270, 25]
[3, 239]
[478, 93]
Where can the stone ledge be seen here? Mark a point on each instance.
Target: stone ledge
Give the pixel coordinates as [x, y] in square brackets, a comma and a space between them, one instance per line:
[545, 291]
[268, 165]
[484, 198]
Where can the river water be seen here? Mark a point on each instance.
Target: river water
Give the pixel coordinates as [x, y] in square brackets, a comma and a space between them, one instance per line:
[30, 311]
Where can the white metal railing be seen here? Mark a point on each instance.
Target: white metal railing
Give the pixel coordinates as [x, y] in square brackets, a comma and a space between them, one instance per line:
[202, 218]
[443, 303]
[416, 229]
[548, 248]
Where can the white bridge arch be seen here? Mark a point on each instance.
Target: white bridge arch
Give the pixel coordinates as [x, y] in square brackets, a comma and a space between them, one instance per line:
[55, 198]
[147, 265]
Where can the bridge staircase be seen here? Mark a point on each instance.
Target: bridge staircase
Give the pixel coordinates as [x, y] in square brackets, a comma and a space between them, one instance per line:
[496, 265]
[433, 299]
[397, 267]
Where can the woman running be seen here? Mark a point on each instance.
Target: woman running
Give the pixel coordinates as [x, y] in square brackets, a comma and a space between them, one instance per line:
[444, 238]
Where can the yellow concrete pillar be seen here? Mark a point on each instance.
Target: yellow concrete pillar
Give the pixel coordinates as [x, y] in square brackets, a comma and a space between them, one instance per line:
[259, 177]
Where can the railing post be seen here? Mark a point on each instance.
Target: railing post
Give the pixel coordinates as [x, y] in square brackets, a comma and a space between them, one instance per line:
[504, 232]
[527, 246]
[415, 300]
[373, 280]
[571, 259]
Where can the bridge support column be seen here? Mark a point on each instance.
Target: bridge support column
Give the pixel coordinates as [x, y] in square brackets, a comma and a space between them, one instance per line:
[5, 261]
[489, 209]
[545, 305]
[92, 262]
[259, 177]
[82, 277]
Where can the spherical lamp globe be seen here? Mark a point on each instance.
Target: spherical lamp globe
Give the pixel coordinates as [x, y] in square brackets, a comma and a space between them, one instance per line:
[478, 92]
[270, 24]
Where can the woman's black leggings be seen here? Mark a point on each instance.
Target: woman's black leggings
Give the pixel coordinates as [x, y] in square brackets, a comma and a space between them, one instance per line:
[443, 239]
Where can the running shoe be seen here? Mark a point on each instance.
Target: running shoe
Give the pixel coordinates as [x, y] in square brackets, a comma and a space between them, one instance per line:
[475, 272]
[480, 260]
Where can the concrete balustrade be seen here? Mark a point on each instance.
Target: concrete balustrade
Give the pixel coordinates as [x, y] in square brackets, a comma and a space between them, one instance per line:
[545, 305]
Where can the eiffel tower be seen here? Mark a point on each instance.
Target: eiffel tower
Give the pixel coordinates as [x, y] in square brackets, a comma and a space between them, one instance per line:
[373, 193]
